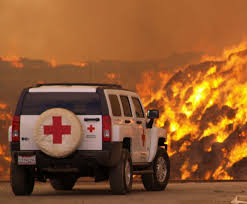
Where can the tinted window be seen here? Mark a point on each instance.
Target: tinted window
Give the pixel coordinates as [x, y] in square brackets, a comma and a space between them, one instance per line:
[126, 106]
[138, 108]
[78, 103]
[115, 106]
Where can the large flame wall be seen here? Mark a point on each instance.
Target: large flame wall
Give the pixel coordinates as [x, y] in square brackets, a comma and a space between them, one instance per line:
[204, 110]
[5, 121]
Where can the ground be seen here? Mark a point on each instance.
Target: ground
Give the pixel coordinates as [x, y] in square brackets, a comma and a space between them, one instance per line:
[99, 193]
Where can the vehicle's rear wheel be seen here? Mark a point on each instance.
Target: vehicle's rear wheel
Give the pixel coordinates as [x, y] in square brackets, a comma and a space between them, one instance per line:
[21, 179]
[121, 175]
[63, 182]
[161, 172]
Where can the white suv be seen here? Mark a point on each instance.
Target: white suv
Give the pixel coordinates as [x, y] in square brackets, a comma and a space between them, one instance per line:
[62, 132]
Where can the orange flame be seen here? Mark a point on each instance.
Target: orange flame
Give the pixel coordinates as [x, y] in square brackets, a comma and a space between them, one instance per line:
[204, 102]
[3, 106]
[5, 116]
[3, 152]
[14, 60]
[184, 170]
[53, 63]
[113, 78]
[3, 155]
[79, 64]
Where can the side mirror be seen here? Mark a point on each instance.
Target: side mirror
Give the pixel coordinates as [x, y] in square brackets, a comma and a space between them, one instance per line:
[153, 114]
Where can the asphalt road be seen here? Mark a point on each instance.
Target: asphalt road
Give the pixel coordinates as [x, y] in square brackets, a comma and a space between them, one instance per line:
[99, 193]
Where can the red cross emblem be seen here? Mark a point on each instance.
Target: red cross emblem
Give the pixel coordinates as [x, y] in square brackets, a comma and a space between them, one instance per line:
[91, 128]
[57, 129]
[143, 138]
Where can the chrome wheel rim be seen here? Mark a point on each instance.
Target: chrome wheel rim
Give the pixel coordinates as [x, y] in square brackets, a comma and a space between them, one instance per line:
[127, 173]
[161, 169]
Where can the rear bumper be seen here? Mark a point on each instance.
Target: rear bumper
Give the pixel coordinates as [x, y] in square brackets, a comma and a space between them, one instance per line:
[109, 156]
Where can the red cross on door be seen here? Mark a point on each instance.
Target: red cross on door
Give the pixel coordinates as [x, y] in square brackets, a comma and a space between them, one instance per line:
[143, 138]
[91, 128]
[57, 129]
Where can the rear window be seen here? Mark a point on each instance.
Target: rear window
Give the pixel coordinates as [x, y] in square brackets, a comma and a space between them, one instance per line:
[138, 108]
[115, 106]
[78, 103]
[126, 106]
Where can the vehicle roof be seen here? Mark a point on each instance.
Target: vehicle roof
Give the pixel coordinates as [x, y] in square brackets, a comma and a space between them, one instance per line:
[73, 87]
[63, 89]
[80, 84]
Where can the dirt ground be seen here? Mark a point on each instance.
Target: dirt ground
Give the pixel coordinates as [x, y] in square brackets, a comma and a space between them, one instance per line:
[99, 193]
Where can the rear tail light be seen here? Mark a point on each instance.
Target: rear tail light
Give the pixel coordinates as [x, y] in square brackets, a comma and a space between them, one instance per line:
[16, 129]
[106, 128]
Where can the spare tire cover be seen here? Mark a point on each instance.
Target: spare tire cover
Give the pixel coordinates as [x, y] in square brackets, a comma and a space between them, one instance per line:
[58, 132]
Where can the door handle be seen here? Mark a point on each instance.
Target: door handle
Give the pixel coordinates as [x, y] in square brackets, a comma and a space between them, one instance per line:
[127, 121]
[91, 119]
[139, 122]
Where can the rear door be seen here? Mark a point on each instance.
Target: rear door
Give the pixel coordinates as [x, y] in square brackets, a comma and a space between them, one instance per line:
[122, 118]
[128, 123]
[140, 129]
[85, 105]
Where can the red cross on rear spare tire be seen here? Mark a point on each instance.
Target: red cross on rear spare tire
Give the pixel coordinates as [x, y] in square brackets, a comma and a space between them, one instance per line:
[58, 132]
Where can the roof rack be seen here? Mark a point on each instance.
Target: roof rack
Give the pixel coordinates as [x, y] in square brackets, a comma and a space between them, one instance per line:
[80, 84]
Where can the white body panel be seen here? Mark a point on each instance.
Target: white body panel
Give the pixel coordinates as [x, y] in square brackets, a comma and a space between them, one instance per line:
[10, 134]
[90, 141]
[155, 133]
[119, 132]
[26, 132]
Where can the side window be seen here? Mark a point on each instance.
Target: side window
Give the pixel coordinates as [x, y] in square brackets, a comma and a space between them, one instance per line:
[115, 106]
[138, 108]
[126, 106]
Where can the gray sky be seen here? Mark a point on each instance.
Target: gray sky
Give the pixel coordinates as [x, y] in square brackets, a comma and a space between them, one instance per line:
[74, 30]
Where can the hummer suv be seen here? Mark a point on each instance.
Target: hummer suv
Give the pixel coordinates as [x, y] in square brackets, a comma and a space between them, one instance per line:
[61, 132]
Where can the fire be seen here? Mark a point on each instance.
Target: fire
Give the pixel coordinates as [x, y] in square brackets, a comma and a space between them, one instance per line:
[13, 60]
[194, 167]
[4, 116]
[2, 149]
[207, 175]
[40, 82]
[184, 170]
[79, 64]
[203, 108]
[3, 152]
[5, 159]
[3, 106]
[184, 146]
[146, 87]
[239, 152]
[4, 162]
[221, 174]
[53, 63]
[113, 78]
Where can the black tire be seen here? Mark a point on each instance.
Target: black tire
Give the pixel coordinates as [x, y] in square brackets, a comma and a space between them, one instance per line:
[21, 179]
[63, 182]
[121, 176]
[158, 180]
